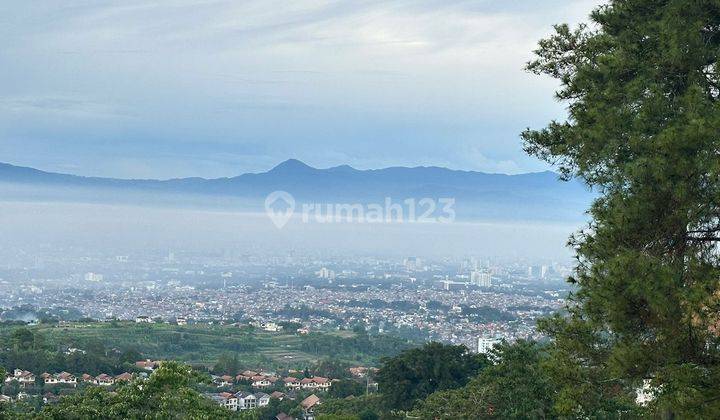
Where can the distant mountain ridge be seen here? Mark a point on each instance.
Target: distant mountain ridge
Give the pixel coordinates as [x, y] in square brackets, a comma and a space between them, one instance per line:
[530, 196]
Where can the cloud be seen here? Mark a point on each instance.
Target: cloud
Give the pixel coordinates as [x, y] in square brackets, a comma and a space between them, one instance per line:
[174, 84]
[64, 106]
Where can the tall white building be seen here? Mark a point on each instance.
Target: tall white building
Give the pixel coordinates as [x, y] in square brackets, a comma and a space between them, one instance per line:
[326, 273]
[485, 344]
[413, 264]
[93, 277]
[481, 278]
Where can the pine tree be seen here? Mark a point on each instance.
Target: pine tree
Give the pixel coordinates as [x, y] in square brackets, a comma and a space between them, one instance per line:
[641, 86]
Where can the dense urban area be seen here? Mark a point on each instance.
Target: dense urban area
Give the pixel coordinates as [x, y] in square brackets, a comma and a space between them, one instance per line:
[261, 330]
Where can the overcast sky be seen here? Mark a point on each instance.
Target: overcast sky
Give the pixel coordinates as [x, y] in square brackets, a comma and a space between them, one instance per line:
[217, 88]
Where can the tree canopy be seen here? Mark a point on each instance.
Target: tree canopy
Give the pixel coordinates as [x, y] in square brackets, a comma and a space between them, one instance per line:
[417, 373]
[167, 394]
[641, 85]
[516, 385]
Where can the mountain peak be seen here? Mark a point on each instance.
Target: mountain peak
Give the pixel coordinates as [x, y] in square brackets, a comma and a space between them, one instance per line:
[342, 169]
[292, 166]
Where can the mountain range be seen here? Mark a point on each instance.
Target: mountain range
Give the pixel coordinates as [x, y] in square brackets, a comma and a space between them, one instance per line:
[537, 196]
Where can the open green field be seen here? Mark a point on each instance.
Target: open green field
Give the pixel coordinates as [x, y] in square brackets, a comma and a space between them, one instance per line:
[195, 344]
[204, 344]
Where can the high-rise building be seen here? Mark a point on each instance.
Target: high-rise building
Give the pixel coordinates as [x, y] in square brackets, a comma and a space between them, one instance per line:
[485, 344]
[93, 277]
[481, 278]
[326, 273]
[413, 264]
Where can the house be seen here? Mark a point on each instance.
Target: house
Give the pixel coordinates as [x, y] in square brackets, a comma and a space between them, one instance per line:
[321, 383]
[223, 381]
[246, 400]
[60, 378]
[124, 377]
[181, 320]
[246, 376]
[262, 398]
[278, 395]
[142, 319]
[292, 383]
[88, 378]
[261, 381]
[66, 378]
[283, 416]
[249, 401]
[309, 404]
[271, 327]
[307, 383]
[361, 371]
[104, 380]
[23, 377]
[227, 400]
[147, 364]
[49, 379]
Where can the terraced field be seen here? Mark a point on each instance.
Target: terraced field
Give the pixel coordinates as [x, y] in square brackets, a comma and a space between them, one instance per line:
[196, 344]
[204, 344]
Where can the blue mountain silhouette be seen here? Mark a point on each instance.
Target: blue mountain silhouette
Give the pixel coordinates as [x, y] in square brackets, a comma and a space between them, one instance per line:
[531, 196]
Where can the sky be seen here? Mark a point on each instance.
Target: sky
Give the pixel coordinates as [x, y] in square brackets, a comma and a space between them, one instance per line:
[176, 88]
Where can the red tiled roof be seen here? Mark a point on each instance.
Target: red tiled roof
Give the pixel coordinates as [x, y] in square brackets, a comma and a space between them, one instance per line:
[310, 401]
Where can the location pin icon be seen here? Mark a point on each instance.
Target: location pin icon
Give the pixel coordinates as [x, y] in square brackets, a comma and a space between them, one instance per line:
[279, 206]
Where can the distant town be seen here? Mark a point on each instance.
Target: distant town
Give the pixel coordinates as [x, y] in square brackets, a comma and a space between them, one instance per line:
[469, 300]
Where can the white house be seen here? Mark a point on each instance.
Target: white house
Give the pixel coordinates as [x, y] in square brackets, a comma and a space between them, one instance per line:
[22, 376]
[246, 401]
[292, 383]
[227, 400]
[104, 380]
[261, 382]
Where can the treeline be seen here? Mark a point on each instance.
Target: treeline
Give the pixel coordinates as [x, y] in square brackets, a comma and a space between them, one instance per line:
[480, 314]
[27, 350]
[486, 314]
[168, 393]
[362, 344]
[440, 381]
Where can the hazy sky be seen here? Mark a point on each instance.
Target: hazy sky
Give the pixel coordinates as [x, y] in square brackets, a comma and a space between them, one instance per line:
[217, 88]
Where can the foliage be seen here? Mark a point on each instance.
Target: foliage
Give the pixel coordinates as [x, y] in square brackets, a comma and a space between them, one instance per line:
[368, 405]
[337, 417]
[166, 394]
[227, 364]
[347, 388]
[113, 347]
[417, 373]
[361, 343]
[642, 89]
[332, 368]
[517, 385]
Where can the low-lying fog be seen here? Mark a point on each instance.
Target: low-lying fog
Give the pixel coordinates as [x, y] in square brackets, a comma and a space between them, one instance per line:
[29, 227]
